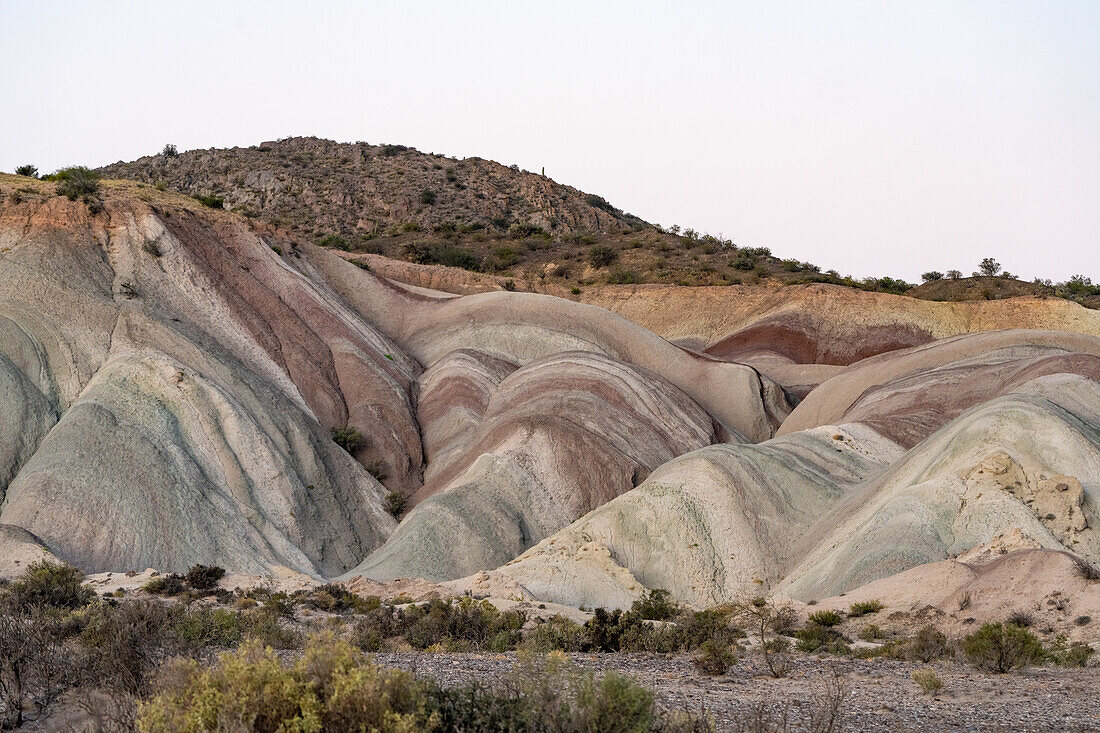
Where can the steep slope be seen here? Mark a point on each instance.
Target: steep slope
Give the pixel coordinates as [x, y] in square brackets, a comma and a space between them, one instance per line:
[820, 511]
[172, 376]
[194, 378]
[559, 437]
[316, 187]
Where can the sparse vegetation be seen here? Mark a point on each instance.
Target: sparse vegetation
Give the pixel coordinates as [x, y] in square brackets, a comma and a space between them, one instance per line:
[204, 577]
[395, 503]
[714, 658]
[210, 201]
[347, 438]
[76, 182]
[826, 618]
[602, 255]
[928, 681]
[169, 151]
[49, 584]
[1002, 647]
[865, 607]
[28, 170]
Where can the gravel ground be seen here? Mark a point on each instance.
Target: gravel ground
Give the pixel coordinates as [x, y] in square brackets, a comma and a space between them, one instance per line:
[880, 694]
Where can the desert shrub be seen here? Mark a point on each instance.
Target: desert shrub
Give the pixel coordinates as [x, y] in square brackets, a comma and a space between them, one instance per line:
[35, 664]
[871, 632]
[29, 171]
[522, 230]
[713, 658]
[864, 607]
[209, 627]
[211, 201]
[656, 605]
[371, 628]
[927, 680]
[814, 637]
[712, 624]
[347, 438]
[76, 182]
[742, 263]
[654, 637]
[338, 599]
[451, 256]
[334, 241]
[602, 255]
[928, 644]
[330, 688]
[575, 290]
[619, 276]
[165, 585]
[557, 633]
[169, 151]
[427, 196]
[266, 627]
[1023, 619]
[825, 618]
[49, 584]
[763, 616]
[465, 625]
[506, 256]
[1064, 654]
[122, 643]
[204, 577]
[1082, 620]
[1002, 647]
[394, 503]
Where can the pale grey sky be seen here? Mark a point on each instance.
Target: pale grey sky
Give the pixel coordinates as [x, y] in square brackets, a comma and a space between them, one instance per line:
[871, 137]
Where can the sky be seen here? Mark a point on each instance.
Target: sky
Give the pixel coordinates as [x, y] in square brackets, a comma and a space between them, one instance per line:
[875, 138]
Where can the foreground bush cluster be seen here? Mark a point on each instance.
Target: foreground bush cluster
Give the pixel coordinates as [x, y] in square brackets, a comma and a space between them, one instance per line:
[150, 662]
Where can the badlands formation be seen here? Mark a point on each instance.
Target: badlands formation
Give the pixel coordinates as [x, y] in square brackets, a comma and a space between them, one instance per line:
[171, 376]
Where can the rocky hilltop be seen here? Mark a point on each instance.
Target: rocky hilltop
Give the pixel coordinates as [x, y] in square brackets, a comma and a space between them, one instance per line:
[181, 384]
[317, 187]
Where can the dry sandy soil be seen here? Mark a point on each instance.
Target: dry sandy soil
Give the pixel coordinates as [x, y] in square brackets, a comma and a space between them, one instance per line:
[880, 694]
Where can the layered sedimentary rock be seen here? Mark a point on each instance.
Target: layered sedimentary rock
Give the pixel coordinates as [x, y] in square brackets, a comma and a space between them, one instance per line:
[172, 375]
[557, 438]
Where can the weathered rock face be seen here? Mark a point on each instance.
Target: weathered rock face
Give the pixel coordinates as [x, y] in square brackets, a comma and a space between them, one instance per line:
[171, 377]
[557, 438]
[818, 512]
[176, 383]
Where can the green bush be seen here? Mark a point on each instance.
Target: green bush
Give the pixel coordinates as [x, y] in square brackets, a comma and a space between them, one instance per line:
[211, 201]
[656, 605]
[334, 241]
[602, 255]
[49, 584]
[395, 503]
[927, 680]
[427, 196]
[76, 182]
[347, 438]
[165, 585]
[927, 645]
[825, 618]
[466, 625]
[714, 658]
[450, 256]
[865, 607]
[556, 634]
[29, 171]
[209, 627]
[1002, 647]
[619, 276]
[204, 577]
[330, 688]
[1064, 654]
[814, 637]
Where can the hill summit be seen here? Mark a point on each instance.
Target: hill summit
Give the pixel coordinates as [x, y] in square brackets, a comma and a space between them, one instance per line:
[318, 187]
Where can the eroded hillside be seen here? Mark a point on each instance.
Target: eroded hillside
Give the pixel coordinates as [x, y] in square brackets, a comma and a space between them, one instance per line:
[173, 374]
